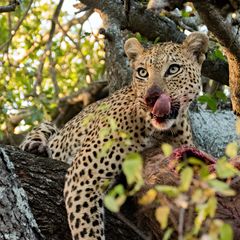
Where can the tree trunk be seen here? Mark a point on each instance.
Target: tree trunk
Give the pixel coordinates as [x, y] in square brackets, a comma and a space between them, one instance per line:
[16, 219]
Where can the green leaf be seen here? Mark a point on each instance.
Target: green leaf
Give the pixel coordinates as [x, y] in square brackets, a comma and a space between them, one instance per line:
[169, 190]
[148, 197]
[103, 107]
[197, 195]
[226, 232]
[210, 100]
[156, 40]
[231, 150]
[111, 203]
[87, 119]
[221, 187]
[161, 215]
[167, 149]
[106, 147]
[225, 169]
[195, 161]
[221, 95]
[212, 206]
[201, 216]
[186, 179]
[132, 168]
[113, 124]
[218, 54]
[167, 234]
[115, 198]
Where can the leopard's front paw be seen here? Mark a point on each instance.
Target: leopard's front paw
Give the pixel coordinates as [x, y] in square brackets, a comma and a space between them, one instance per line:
[36, 147]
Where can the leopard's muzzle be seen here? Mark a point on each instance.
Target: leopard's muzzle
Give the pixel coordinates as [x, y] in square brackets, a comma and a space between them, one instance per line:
[163, 109]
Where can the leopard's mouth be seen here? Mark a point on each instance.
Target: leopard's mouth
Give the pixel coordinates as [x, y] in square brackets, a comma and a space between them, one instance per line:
[166, 121]
[163, 110]
[170, 116]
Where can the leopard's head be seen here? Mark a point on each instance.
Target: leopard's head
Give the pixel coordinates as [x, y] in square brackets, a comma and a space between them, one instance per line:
[167, 76]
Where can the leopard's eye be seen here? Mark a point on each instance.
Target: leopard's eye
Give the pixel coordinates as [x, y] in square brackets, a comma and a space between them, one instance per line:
[173, 69]
[142, 72]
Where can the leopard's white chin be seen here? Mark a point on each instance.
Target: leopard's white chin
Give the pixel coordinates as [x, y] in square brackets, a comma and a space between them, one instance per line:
[165, 125]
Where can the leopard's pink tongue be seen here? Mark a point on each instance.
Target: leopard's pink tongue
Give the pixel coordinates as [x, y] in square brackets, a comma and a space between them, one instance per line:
[162, 106]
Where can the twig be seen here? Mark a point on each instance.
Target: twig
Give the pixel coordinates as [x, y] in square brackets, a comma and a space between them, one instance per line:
[181, 222]
[13, 33]
[78, 48]
[81, 7]
[53, 74]
[45, 38]
[48, 47]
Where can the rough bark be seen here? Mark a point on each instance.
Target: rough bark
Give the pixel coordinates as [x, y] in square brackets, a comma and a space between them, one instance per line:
[216, 70]
[213, 131]
[16, 219]
[234, 80]
[218, 26]
[117, 70]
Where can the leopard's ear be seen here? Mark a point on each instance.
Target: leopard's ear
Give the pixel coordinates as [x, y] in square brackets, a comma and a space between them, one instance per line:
[196, 45]
[133, 48]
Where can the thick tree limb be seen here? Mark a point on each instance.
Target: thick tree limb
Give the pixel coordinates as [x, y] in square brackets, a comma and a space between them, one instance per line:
[43, 181]
[218, 26]
[216, 70]
[222, 30]
[9, 8]
[16, 219]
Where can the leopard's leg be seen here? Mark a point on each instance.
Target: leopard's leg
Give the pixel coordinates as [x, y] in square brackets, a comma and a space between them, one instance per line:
[84, 194]
[36, 141]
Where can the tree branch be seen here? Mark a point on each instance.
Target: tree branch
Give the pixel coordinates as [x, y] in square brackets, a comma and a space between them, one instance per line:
[66, 28]
[230, 40]
[48, 46]
[16, 219]
[9, 8]
[77, 46]
[218, 26]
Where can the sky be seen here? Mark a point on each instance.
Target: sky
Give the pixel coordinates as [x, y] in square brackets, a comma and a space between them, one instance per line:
[94, 21]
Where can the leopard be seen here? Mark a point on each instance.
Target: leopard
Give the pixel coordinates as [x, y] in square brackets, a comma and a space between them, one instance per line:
[152, 110]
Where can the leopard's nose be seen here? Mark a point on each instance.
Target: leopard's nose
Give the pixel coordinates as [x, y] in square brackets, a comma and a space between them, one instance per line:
[153, 93]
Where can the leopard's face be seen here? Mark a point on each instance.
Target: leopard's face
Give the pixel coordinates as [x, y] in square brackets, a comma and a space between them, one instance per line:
[166, 77]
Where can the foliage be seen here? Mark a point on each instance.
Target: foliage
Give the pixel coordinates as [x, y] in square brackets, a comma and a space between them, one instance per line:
[196, 192]
[212, 100]
[77, 59]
